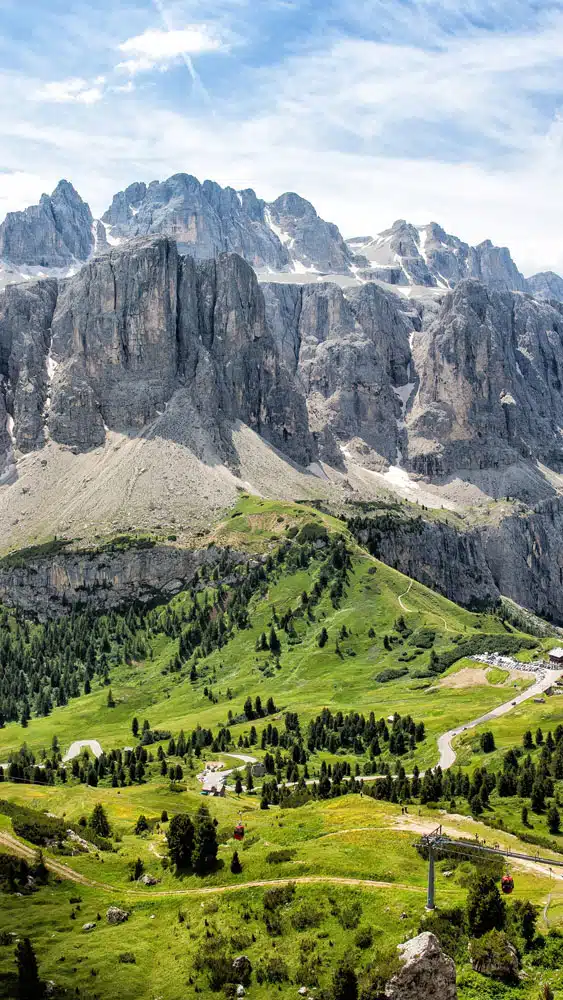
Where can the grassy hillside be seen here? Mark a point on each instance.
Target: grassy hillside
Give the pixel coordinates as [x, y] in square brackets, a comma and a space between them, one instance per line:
[355, 636]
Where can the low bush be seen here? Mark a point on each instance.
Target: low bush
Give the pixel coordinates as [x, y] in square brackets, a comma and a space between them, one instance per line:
[390, 674]
[278, 857]
[364, 937]
[306, 915]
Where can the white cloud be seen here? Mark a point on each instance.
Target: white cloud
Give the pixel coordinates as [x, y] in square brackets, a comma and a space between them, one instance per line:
[73, 90]
[345, 125]
[156, 48]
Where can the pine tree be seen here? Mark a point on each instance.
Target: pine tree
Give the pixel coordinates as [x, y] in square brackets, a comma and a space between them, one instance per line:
[236, 866]
[28, 975]
[205, 842]
[344, 983]
[135, 727]
[99, 822]
[180, 838]
[485, 907]
[553, 819]
[274, 642]
[110, 701]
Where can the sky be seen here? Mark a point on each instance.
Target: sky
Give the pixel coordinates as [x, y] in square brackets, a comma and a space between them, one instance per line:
[429, 110]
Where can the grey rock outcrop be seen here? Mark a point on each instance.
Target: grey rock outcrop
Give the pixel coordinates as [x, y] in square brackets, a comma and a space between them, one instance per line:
[206, 220]
[545, 285]
[490, 374]
[493, 955]
[428, 256]
[315, 243]
[426, 973]
[525, 558]
[26, 313]
[242, 969]
[51, 585]
[110, 348]
[349, 352]
[434, 553]
[55, 233]
[115, 915]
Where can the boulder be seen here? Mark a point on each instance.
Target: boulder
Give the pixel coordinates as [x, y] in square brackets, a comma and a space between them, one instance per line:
[88, 927]
[426, 972]
[242, 968]
[115, 915]
[149, 880]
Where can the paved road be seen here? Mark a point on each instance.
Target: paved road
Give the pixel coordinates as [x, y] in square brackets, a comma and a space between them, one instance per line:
[447, 753]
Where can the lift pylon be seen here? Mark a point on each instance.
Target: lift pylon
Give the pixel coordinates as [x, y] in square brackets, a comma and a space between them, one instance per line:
[436, 842]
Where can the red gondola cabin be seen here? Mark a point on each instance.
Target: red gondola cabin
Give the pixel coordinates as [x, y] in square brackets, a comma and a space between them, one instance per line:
[507, 884]
[238, 831]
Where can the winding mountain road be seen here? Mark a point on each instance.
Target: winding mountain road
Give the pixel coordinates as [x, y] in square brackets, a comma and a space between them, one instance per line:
[448, 754]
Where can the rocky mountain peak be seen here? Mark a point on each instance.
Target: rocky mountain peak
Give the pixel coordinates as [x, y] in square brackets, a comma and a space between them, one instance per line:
[55, 233]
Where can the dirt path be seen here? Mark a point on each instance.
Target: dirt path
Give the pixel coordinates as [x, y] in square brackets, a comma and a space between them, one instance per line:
[404, 594]
[65, 872]
[447, 753]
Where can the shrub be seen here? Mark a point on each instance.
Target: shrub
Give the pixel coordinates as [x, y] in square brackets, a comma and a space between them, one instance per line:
[127, 957]
[312, 532]
[390, 674]
[493, 955]
[274, 970]
[364, 937]
[278, 857]
[450, 927]
[280, 895]
[423, 637]
[349, 917]
[306, 915]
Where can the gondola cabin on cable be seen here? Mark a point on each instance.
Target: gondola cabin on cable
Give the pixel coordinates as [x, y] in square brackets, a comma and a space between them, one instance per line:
[507, 884]
[238, 832]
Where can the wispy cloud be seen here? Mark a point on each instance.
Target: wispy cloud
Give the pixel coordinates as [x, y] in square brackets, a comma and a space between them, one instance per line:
[73, 90]
[373, 109]
[159, 49]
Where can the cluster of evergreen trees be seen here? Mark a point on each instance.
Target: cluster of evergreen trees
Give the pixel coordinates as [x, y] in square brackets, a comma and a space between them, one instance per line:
[356, 734]
[44, 665]
[192, 843]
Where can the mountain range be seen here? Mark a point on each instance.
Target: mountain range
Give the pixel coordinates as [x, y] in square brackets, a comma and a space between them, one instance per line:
[282, 240]
[197, 341]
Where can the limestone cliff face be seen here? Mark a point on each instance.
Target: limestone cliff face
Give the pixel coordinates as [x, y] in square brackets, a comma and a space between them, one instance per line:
[51, 585]
[520, 557]
[114, 329]
[490, 375]
[207, 220]
[111, 346]
[350, 353]
[26, 313]
[525, 556]
[432, 552]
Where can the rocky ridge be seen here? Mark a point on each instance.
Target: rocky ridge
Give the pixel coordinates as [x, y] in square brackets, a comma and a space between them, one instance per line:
[281, 239]
[205, 219]
[155, 354]
[428, 257]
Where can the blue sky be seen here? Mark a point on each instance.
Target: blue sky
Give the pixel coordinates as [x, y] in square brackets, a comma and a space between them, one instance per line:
[449, 110]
